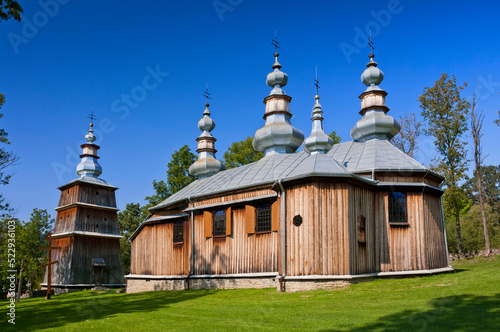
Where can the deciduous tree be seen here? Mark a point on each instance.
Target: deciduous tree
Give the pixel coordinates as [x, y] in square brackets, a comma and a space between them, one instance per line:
[241, 153]
[10, 9]
[407, 138]
[476, 128]
[6, 159]
[445, 112]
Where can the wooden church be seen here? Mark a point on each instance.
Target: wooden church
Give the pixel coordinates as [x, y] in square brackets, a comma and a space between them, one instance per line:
[86, 229]
[323, 217]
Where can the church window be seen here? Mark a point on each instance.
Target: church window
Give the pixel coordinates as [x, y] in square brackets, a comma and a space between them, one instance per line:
[397, 208]
[361, 229]
[263, 217]
[178, 232]
[219, 223]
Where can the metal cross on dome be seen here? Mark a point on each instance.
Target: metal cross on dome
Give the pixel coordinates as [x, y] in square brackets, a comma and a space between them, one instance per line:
[91, 117]
[206, 94]
[370, 43]
[275, 42]
[316, 82]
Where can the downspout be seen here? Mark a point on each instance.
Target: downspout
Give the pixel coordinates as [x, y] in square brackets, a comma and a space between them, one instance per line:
[373, 174]
[283, 222]
[191, 270]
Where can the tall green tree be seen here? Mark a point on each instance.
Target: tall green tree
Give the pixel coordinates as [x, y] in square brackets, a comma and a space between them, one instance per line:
[445, 112]
[10, 9]
[241, 153]
[6, 159]
[407, 138]
[476, 129]
[128, 221]
[178, 169]
[336, 138]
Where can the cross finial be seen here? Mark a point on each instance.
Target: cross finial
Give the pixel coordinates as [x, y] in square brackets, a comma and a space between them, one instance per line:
[316, 82]
[91, 117]
[206, 94]
[370, 43]
[275, 42]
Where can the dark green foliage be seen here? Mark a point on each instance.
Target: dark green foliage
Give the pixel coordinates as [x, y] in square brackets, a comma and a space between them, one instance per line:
[241, 153]
[178, 169]
[446, 115]
[128, 221]
[29, 237]
[498, 120]
[336, 138]
[6, 159]
[491, 187]
[472, 229]
[162, 192]
[10, 9]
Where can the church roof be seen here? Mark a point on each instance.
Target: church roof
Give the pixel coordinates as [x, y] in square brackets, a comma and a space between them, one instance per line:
[375, 154]
[267, 170]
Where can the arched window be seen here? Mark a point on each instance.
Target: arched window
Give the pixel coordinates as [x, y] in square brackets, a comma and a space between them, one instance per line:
[263, 217]
[219, 223]
[397, 208]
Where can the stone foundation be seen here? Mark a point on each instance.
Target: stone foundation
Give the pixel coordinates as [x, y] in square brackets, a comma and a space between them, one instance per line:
[308, 285]
[147, 285]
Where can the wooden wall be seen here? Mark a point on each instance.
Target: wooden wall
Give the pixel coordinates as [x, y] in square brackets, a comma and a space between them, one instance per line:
[88, 194]
[75, 260]
[75, 219]
[435, 243]
[154, 253]
[238, 253]
[321, 244]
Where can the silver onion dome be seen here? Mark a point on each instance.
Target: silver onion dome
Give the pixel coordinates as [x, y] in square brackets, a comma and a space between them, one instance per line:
[318, 141]
[278, 135]
[89, 166]
[277, 79]
[372, 75]
[375, 123]
[206, 165]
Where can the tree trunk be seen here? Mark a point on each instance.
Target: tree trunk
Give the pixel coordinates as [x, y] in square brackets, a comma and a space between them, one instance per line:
[20, 285]
[483, 213]
[459, 233]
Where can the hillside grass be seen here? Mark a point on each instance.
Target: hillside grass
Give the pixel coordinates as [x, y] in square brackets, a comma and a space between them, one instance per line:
[468, 300]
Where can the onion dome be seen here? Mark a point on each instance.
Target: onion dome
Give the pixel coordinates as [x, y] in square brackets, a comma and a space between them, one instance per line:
[318, 141]
[89, 166]
[206, 165]
[372, 75]
[375, 123]
[277, 79]
[278, 135]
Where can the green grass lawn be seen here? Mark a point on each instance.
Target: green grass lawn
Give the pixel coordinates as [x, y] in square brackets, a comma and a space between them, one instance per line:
[468, 300]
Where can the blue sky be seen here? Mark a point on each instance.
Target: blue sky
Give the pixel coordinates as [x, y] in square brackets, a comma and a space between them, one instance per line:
[68, 58]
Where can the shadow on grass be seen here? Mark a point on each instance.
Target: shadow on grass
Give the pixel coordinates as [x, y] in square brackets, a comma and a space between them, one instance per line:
[89, 305]
[452, 313]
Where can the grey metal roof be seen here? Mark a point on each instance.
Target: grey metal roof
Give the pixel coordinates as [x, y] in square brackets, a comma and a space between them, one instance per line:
[375, 154]
[91, 180]
[267, 170]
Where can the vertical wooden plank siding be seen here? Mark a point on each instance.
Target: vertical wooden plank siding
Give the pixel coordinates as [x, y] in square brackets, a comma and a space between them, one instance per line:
[434, 239]
[153, 251]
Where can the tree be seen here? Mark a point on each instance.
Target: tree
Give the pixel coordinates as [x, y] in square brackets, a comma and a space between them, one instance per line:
[128, 221]
[473, 232]
[445, 112]
[476, 124]
[10, 9]
[406, 141]
[178, 169]
[29, 237]
[498, 120]
[336, 138]
[491, 187]
[241, 153]
[6, 159]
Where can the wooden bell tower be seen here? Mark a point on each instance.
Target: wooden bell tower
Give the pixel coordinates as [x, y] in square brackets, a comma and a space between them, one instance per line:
[86, 229]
